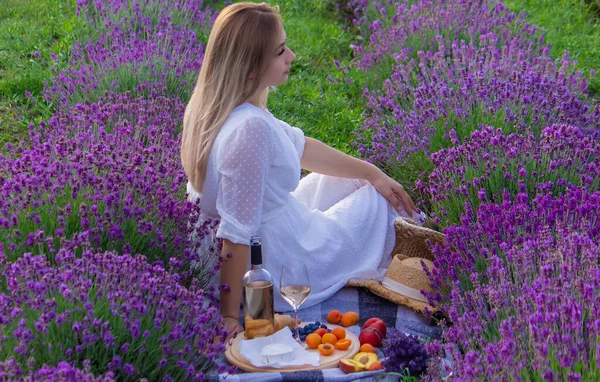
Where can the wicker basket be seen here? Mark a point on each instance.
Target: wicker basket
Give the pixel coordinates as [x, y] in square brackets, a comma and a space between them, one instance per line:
[411, 241]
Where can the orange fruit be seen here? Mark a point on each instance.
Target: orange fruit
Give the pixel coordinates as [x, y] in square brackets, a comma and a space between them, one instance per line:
[321, 331]
[326, 349]
[355, 316]
[340, 333]
[367, 348]
[343, 344]
[313, 340]
[334, 316]
[348, 319]
[329, 338]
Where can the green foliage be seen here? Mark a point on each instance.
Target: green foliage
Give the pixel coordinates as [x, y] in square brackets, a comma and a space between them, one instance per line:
[45, 26]
[68, 206]
[326, 111]
[538, 171]
[572, 25]
[404, 376]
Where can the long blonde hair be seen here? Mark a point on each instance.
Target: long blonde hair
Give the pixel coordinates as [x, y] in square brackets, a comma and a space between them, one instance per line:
[241, 43]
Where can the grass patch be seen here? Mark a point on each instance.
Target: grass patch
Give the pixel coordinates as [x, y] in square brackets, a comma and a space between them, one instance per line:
[572, 25]
[324, 110]
[26, 27]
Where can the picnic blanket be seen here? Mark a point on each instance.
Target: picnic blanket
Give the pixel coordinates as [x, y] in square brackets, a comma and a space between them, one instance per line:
[347, 299]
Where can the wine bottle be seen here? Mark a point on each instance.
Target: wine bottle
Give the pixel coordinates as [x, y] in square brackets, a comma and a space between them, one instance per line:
[258, 295]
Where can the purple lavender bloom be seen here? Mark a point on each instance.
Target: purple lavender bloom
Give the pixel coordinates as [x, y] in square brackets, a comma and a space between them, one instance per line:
[532, 262]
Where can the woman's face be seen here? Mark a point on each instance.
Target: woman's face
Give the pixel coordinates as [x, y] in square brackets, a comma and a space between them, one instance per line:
[281, 61]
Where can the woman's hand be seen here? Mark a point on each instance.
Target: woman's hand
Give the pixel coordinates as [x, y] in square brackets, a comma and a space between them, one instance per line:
[394, 192]
[233, 327]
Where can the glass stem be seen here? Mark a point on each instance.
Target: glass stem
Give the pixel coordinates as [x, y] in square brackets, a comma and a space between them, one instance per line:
[296, 321]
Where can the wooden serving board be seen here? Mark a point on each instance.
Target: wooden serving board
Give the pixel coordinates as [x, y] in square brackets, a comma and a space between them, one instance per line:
[232, 354]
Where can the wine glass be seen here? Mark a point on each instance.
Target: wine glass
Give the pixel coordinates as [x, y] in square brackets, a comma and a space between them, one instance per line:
[295, 287]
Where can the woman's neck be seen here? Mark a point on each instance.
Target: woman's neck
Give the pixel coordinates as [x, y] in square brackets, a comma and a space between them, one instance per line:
[256, 101]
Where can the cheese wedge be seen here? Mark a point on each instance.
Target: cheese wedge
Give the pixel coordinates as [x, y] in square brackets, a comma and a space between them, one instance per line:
[276, 353]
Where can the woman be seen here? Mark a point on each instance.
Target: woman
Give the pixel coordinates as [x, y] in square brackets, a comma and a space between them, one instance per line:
[246, 164]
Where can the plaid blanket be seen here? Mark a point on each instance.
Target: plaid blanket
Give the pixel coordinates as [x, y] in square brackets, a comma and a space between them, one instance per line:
[367, 305]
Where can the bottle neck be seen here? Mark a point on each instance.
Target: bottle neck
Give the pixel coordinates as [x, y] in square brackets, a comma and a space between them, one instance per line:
[256, 266]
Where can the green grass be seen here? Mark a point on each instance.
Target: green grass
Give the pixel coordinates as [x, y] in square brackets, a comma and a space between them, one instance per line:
[325, 111]
[45, 26]
[572, 25]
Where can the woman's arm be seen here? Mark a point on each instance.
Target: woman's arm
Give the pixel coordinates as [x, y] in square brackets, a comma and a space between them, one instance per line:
[323, 159]
[318, 157]
[232, 272]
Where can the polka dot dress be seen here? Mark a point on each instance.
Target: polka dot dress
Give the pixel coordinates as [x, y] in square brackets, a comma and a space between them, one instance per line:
[341, 228]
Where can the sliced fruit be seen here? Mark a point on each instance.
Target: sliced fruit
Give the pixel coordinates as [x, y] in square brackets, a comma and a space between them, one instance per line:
[375, 366]
[350, 366]
[366, 359]
[326, 349]
[343, 344]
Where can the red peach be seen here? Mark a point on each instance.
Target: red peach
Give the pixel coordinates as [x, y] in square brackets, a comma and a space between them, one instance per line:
[371, 336]
[376, 323]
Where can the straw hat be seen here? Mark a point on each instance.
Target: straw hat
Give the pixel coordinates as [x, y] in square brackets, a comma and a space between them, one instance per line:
[405, 277]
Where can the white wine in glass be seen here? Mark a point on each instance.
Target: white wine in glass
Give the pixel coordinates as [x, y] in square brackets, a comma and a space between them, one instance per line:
[295, 287]
[295, 294]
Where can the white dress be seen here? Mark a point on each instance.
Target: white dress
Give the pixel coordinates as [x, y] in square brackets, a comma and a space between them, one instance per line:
[342, 228]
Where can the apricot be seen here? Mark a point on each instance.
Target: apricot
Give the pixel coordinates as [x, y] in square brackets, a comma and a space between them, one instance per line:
[367, 348]
[343, 344]
[326, 349]
[321, 331]
[340, 333]
[313, 340]
[355, 315]
[329, 338]
[375, 366]
[334, 316]
[348, 319]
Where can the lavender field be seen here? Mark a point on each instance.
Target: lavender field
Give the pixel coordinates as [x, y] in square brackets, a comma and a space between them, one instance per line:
[460, 101]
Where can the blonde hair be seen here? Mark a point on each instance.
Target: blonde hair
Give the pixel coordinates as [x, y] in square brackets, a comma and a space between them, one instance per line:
[241, 43]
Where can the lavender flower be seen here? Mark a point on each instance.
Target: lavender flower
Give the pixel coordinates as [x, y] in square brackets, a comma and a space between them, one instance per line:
[120, 286]
[146, 48]
[511, 274]
[403, 351]
[491, 162]
[437, 71]
[137, 203]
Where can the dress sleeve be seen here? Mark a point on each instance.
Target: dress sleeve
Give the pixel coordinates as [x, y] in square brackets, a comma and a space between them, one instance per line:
[243, 161]
[296, 136]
